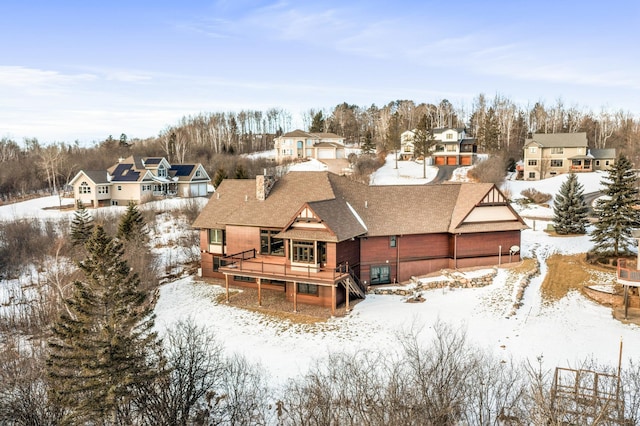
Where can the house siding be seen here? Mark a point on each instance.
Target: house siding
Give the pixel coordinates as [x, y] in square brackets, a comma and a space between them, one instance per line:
[483, 244]
[241, 238]
[422, 254]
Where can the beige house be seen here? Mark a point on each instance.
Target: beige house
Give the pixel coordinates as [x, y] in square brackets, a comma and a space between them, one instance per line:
[139, 179]
[550, 154]
[300, 145]
[451, 147]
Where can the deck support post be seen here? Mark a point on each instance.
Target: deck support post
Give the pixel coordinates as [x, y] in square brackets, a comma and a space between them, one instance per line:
[333, 300]
[259, 292]
[226, 285]
[295, 297]
[347, 295]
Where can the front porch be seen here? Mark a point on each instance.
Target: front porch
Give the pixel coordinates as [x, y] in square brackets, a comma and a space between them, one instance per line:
[581, 164]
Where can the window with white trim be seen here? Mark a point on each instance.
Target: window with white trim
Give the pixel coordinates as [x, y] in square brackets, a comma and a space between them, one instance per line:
[103, 190]
[84, 188]
[216, 237]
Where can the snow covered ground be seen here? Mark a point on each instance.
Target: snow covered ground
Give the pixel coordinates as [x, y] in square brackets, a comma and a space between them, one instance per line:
[563, 333]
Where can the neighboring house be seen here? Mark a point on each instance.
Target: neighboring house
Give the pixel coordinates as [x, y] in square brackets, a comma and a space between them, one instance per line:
[138, 179]
[407, 147]
[300, 145]
[451, 146]
[550, 154]
[319, 237]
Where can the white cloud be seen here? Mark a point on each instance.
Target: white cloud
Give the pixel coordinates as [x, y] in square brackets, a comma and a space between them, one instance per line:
[17, 76]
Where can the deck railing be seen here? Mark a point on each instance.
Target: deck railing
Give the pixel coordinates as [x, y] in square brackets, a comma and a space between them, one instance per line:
[248, 262]
[626, 273]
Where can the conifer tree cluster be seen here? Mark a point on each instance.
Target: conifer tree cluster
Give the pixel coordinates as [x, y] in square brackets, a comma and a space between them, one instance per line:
[616, 211]
[102, 345]
[570, 209]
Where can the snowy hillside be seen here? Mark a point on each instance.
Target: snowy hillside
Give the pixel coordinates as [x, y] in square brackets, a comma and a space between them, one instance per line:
[563, 333]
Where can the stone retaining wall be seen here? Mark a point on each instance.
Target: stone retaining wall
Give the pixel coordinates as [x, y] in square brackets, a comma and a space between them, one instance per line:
[452, 279]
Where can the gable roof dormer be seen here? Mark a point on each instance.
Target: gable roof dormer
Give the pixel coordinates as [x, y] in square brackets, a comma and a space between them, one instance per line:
[329, 220]
[477, 209]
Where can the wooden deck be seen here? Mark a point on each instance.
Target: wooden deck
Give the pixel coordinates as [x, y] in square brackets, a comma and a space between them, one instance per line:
[628, 274]
[259, 267]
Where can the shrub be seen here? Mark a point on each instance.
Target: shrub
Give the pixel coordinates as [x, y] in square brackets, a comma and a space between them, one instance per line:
[491, 170]
[535, 196]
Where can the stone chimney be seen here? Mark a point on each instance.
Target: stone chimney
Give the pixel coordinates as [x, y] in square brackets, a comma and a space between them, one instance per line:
[264, 183]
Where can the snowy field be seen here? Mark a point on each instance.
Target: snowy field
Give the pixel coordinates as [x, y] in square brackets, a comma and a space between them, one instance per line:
[563, 333]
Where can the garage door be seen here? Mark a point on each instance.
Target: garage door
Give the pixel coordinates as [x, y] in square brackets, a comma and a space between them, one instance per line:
[439, 161]
[465, 161]
[452, 161]
[325, 154]
[198, 189]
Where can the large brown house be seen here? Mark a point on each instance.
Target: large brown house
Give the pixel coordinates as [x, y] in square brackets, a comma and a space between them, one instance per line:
[320, 237]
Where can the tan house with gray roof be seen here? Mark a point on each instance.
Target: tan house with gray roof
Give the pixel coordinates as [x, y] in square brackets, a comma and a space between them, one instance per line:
[321, 238]
[138, 179]
[550, 154]
[301, 145]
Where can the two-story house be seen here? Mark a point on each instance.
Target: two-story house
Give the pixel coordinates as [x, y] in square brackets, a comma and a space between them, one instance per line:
[139, 179]
[550, 154]
[319, 237]
[451, 146]
[301, 145]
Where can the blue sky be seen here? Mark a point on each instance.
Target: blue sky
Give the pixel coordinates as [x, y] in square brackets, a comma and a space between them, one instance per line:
[83, 70]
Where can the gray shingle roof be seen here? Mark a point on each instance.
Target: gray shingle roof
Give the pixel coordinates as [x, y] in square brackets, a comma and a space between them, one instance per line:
[557, 140]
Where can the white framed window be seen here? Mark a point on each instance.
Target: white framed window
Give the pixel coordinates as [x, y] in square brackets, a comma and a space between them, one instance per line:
[103, 190]
[84, 188]
[146, 188]
[532, 150]
[556, 163]
[216, 236]
[557, 150]
[198, 173]
[532, 162]
[532, 175]
[119, 187]
[162, 171]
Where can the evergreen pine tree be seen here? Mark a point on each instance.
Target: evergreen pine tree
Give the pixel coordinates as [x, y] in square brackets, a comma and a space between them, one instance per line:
[368, 147]
[317, 123]
[570, 210]
[99, 353]
[132, 224]
[81, 225]
[423, 141]
[616, 212]
[219, 177]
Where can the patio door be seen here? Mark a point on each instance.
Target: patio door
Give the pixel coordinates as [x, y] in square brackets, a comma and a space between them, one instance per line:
[380, 274]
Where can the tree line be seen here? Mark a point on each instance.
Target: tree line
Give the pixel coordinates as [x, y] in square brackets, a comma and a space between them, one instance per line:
[216, 139]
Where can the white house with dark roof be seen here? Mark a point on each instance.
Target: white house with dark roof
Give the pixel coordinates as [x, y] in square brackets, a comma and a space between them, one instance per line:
[139, 179]
[550, 154]
[301, 145]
